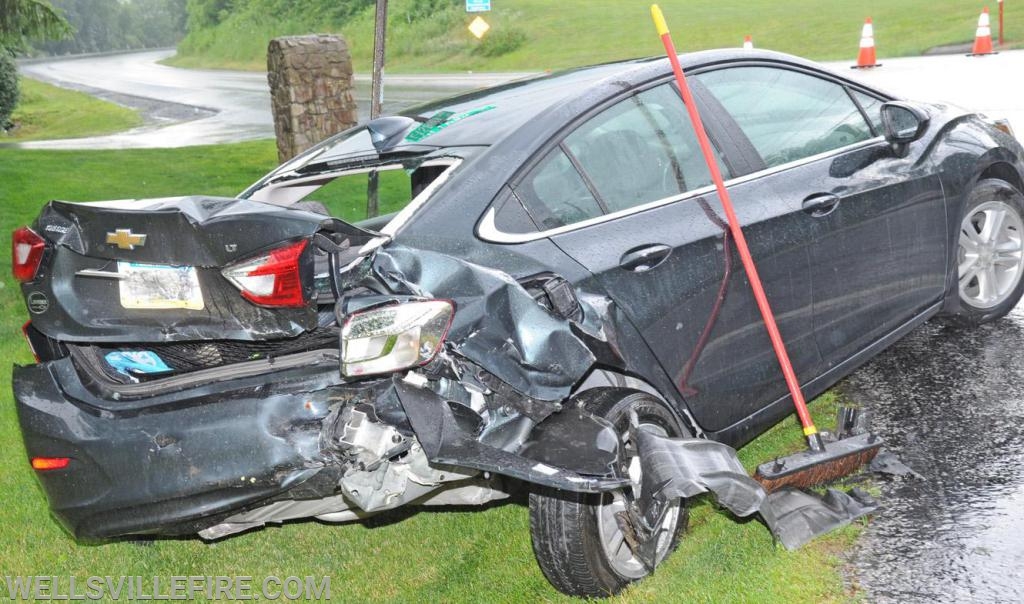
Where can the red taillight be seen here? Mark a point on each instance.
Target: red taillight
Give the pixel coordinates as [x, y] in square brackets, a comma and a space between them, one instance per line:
[50, 463]
[272, 279]
[26, 253]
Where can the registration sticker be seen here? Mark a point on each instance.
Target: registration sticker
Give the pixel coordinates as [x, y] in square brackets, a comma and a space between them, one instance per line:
[441, 120]
[156, 286]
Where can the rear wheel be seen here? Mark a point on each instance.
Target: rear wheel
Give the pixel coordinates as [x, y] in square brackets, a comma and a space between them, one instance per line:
[581, 542]
[990, 254]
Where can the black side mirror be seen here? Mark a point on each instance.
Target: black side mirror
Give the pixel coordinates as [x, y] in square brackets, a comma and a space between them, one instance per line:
[904, 123]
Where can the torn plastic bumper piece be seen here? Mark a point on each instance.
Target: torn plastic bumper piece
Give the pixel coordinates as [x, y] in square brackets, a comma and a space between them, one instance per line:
[576, 439]
[796, 517]
[446, 443]
[886, 462]
[687, 467]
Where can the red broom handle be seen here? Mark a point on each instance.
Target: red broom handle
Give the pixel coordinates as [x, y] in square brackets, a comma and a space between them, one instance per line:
[737, 234]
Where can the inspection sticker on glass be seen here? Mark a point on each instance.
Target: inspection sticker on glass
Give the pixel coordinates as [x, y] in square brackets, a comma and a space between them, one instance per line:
[155, 286]
[441, 120]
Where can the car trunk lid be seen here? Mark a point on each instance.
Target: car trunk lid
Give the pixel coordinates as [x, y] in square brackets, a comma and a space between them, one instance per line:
[79, 294]
[193, 231]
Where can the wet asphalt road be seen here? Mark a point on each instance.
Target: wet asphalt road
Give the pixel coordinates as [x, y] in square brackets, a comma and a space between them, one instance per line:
[990, 84]
[949, 401]
[184, 107]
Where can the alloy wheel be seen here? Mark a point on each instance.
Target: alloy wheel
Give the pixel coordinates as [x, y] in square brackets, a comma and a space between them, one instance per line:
[991, 254]
[613, 539]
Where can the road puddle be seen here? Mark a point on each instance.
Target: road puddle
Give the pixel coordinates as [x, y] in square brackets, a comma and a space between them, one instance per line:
[950, 404]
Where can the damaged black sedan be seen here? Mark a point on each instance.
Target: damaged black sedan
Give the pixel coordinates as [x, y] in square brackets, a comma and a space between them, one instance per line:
[554, 287]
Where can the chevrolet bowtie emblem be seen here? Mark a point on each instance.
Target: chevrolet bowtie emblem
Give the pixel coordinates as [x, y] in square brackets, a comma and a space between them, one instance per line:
[125, 239]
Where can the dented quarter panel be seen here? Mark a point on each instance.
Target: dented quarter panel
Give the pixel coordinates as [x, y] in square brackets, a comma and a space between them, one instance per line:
[446, 443]
[497, 323]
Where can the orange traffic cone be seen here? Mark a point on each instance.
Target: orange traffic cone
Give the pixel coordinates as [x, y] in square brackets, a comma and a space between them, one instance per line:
[748, 43]
[866, 58]
[983, 37]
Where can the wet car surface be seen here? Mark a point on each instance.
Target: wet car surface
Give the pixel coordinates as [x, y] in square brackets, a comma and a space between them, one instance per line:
[950, 403]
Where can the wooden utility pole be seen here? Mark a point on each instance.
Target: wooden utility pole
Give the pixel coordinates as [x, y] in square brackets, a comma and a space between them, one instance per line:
[1000, 23]
[377, 97]
[379, 39]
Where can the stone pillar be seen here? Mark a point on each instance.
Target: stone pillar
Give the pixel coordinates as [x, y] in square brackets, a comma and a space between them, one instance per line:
[311, 90]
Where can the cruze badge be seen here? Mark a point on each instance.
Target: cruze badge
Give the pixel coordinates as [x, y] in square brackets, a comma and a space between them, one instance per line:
[125, 239]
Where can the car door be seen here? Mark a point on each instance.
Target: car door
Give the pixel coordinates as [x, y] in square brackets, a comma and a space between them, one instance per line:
[875, 221]
[627, 195]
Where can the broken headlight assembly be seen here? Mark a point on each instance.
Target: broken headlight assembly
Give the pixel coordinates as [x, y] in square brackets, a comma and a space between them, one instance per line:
[392, 338]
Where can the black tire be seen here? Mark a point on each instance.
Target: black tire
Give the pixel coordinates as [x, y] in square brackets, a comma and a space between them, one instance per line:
[972, 310]
[564, 526]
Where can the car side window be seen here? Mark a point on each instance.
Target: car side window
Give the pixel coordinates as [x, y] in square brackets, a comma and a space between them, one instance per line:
[555, 193]
[787, 115]
[640, 150]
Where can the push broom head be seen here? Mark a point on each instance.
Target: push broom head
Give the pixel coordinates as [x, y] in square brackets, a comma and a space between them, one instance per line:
[838, 459]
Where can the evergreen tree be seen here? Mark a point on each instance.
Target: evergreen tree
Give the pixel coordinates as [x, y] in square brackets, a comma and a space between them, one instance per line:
[21, 20]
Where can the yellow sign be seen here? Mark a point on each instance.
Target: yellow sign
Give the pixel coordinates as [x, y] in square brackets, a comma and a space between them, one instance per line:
[479, 27]
[125, 239]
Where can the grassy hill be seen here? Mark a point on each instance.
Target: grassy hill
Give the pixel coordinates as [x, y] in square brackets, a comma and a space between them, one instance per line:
[49, 112]
[541, 34]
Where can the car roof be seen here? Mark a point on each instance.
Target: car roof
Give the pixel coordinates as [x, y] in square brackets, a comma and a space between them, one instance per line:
[512, 104]
[507, 107]
[488, 116]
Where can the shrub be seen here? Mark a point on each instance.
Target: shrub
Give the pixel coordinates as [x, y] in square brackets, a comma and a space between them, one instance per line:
[8, 88]
[501, 42]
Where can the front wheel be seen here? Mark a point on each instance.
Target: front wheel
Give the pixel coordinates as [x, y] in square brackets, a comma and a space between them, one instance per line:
[990, 254]
[580, 540]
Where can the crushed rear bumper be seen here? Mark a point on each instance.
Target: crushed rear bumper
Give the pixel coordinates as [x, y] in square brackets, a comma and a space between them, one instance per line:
[178, 462]
[187, 458]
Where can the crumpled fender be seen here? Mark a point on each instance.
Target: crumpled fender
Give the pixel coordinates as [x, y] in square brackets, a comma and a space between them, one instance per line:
[497, 325]
[444, 442]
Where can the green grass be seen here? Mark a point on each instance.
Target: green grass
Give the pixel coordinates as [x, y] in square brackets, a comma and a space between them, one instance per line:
[346, 196]
[450, 556]
[572, 33]
[49, 112]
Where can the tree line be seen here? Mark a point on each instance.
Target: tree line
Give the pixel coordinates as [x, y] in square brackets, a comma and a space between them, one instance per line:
[203, 14]
[104, 25]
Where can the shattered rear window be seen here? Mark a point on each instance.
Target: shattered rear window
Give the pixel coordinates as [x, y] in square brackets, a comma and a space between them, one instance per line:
[345, 194]
[346, 197]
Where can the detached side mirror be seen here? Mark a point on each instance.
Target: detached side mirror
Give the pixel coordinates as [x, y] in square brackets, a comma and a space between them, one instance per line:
[904, 123]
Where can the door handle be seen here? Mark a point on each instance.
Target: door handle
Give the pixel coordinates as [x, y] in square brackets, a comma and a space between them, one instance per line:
[821, 205]
[645, 258]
